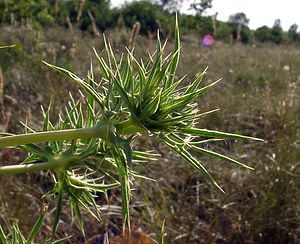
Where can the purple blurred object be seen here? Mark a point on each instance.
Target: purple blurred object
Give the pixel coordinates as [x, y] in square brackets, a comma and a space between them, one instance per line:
[207, 40]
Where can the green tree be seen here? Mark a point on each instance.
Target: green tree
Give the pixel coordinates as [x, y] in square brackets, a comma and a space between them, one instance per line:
[26, 11]
[293, 33]
[239, 26]
[239, 19]
[263, 34]
[224, 31]
[277, 32]
[199, 25]
[201, 5]
[99, 9]
[146, 13]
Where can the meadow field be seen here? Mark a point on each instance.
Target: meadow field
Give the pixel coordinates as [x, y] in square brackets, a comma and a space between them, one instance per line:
[259, 96]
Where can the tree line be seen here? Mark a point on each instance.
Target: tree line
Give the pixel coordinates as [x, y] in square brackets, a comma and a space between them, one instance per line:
[97, 16]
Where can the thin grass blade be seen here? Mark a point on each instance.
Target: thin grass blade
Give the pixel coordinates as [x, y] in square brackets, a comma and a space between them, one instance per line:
[62, 240]
[58, 212]
[3, 237]
[7, 46]
[36, 227]
[176, 57]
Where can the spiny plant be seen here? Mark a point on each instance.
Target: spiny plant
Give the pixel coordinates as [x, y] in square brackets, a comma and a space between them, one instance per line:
[89, 150]
[16, 236]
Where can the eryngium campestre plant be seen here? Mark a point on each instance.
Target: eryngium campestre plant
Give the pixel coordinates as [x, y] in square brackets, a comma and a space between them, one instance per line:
[89, 149]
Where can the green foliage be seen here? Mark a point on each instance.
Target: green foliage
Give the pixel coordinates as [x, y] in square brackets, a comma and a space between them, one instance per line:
[223, 31]
[102, 13]
[274, 34]
[239, 22]
[151, 16]
[199, 25]
[92, 140]
[146, 13]
[45, 18]
[45, 13]
[256, 101]
[277, 32]
[15, 235]
[239, 19]
[263, 34]
[26, 11]
[293, 34]
[246, 35]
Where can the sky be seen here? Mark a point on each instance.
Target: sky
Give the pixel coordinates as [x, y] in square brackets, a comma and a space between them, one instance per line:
[260, 12]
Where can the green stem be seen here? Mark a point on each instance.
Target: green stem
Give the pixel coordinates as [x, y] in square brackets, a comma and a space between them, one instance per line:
[46, 136]
[103, 131]
[125, 128]
[24, 168]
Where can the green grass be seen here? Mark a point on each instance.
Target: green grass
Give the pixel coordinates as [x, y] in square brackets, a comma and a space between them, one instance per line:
[255, 97]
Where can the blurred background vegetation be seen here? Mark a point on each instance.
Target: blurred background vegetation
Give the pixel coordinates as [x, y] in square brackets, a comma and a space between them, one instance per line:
[259, 96]
[88, 15]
